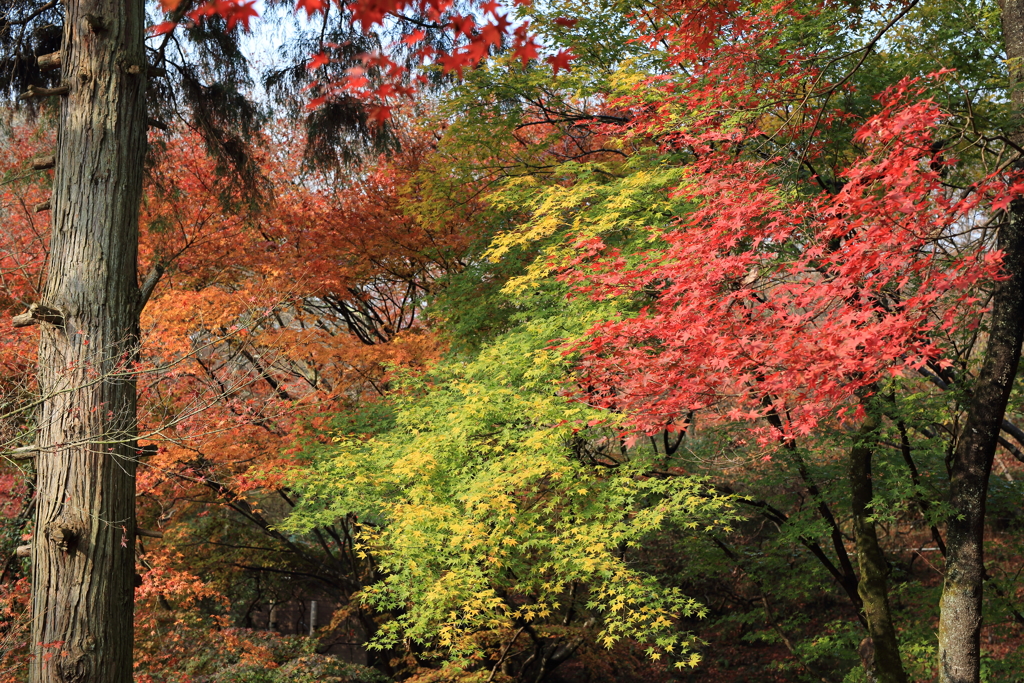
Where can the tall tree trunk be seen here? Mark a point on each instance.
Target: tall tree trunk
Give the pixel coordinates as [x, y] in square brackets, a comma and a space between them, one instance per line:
[885, 664]
[84, 549]
[960, 617]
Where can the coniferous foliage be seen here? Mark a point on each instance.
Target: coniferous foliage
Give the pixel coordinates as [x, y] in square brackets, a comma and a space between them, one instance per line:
[28, 29]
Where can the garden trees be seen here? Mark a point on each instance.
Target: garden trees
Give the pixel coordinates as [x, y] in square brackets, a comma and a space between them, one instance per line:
[239, 357]
[85, 426]
[738, 259]
[267, 355]
[83, 550]
[802, 300]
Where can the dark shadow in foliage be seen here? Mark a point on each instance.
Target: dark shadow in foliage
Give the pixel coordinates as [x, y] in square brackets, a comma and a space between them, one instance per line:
[28, 29]
[206, 84]
[229, 124]
[339, 131]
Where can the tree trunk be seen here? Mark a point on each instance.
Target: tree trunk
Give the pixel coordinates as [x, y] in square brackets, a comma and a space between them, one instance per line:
[961, 603]
[83, 559]
[873, 587]
[960, 616]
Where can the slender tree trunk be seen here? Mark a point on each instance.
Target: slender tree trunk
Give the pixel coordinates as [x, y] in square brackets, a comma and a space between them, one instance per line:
[873, 586]
[960, 617]
[961, 603]
[84, 547]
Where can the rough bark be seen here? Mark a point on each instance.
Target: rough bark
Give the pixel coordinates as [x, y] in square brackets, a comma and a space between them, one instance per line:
[873, 588]
[960, 618]
[83, 551]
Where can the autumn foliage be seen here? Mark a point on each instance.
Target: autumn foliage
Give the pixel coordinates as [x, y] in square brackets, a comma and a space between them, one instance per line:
[580, 365]
[771, 304]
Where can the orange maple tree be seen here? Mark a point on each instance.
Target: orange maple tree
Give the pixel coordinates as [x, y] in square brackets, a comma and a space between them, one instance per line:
[262, 321]
[267, 321]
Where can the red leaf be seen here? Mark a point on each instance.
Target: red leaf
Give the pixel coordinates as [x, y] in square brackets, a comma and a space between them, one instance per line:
[234, 12]
[316, 102]
[379, 115]
[318, 61]
[311, 6]
[414, 37]
[560, 61]
[476, 51]
[490, 34]
[241, 13]
[463, 25]
[456, 62]
[1002, 203]
[162, 28]
[526, 50]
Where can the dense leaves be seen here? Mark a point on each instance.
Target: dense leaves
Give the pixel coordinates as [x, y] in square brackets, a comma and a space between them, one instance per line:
[552, 373]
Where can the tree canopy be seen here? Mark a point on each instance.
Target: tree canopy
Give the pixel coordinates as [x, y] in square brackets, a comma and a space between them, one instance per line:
[563, 341]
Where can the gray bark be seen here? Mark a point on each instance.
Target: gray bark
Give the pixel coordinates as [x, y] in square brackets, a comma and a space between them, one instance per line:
[960, 618]
[83, 558]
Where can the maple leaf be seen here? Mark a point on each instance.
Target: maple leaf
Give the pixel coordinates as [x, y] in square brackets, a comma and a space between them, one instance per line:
[526, 50]
[560, 61]
[318, 61]
[316, 102]
[379, 114]
[169, 5]
[475, 51]
[1002, 202]
[240, 13]
[369, 13]
[501, 23]
[453, 62]
[162, 28]
[414, 37]
[463, 25]
[233, 12]
[490, 34]
[565, 22]
[311, 6]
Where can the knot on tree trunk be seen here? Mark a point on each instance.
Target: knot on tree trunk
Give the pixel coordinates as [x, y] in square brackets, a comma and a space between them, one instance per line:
[75, 664]
[96, 23]
[63, 534]
[49, 62]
